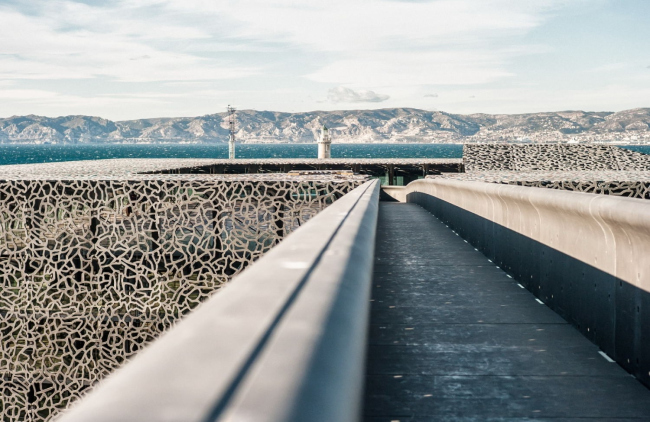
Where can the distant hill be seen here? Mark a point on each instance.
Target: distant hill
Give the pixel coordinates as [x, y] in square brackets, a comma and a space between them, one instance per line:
[385, 125]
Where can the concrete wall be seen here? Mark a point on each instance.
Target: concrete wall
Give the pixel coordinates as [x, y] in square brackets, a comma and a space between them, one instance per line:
[533, 157]
[93, 270]
[393, 193]
[586, 256]
[284, 341]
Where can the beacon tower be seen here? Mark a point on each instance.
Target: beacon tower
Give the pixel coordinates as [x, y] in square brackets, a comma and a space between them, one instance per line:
[324, 144]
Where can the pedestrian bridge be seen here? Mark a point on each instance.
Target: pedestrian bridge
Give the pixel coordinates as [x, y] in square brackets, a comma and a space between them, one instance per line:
[469, 301]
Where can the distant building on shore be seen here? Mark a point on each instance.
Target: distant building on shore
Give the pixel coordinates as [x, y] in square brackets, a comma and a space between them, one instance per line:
[324, 144]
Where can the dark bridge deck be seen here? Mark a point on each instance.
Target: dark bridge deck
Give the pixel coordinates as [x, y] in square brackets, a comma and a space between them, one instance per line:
[453, 338]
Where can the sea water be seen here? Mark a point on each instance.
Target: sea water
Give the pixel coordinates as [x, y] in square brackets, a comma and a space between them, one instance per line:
[24, 154]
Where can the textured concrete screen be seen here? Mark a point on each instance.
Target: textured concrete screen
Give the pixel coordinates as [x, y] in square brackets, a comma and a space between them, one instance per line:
[632, 184]
[585, 256]
[486, 157]
[284, 341]
[600, 169]
[96, 261]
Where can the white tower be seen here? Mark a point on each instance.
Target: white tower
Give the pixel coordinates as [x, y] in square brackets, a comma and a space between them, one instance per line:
[325, 144]
[231, 126]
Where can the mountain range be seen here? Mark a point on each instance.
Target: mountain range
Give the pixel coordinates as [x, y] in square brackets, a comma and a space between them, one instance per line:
[384, 125]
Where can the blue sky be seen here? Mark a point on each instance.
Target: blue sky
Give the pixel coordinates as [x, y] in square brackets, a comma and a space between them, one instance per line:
[153, 58]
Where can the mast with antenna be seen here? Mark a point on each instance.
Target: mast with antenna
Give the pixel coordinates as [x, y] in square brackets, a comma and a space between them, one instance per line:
[231, 126]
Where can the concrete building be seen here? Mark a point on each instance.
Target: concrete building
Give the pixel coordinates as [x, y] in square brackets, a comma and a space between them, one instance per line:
[462, 297]
[324, 144]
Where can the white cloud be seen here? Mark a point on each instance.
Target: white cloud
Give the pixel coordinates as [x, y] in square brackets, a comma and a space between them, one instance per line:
[69, 40]
[41, 97]
[141, 58]
[381, 42]
[614, 97]
[26, 94]
[116, 106]
[439, 67]
[342, 94]
[177, 40]
[612, 67]
[413, 41]
[357, 25]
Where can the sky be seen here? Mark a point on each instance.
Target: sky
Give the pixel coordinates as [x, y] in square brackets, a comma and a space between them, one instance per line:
[169, 58]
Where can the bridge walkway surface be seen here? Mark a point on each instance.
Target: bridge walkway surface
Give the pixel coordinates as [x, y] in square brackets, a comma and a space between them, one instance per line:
[452, 337]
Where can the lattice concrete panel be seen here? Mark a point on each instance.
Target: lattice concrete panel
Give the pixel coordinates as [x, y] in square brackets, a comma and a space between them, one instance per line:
[92, 270]
[485, 157]
[632, 184]
[639, 190]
